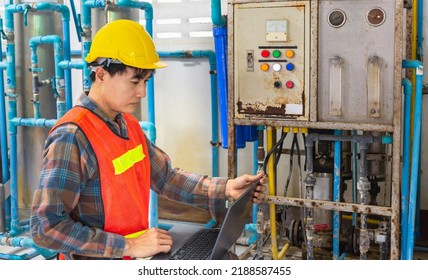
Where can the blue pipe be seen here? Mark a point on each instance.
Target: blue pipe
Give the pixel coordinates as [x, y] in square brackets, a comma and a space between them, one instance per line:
[210, 224]
[33, 122]
[76, 21]
[336, 195]
[59, 72]
[14, 228]
[415, 170]
[86, 45]
[406, 165]
[3, 120]
[63, 9]
[220, 43]
[343, 256]
[23, 242]
[216, 17]
[11, 91]
[75, 53]
[72, 64]
[255, 170]
[150, 130]
[420, 54]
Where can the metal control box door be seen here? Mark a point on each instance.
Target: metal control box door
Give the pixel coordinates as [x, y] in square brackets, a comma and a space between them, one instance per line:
[271, 60]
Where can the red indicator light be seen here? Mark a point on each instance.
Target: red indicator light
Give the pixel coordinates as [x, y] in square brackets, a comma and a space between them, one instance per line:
[289, 84]
[265, 53]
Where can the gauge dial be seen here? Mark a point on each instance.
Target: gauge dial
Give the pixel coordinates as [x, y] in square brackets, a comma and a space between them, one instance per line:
[376, 16]
[336, 18]
[276, 30]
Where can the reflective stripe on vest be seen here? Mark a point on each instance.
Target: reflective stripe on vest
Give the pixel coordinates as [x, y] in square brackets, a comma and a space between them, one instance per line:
[128, 159]
[124, 168]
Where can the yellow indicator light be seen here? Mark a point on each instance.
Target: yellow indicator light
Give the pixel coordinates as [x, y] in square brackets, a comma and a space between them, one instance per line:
[264, 67]
[289, 53]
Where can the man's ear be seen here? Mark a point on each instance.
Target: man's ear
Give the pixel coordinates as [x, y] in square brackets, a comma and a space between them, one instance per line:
[99, 74]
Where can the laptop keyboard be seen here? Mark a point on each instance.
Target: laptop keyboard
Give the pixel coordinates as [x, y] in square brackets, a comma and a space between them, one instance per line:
[198, 247]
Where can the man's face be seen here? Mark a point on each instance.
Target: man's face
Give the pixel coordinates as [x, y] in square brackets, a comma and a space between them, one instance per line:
[123, 91]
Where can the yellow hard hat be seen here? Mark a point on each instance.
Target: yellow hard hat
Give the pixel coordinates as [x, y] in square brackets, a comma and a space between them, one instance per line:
[127, 41]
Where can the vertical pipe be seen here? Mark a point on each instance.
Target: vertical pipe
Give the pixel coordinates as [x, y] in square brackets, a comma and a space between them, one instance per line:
[3, 120]
[14, 228]
[271, 178]
[255, 171]
[12, 112]
[9, 10]
[2, 212]
[336, 195]
[220, 43]
[354, 176]
[76, 21]
[259, 216]
[417, 125]
[217, 19]
[65, 12]
[310, 182]
[364, 188]
[87, 36]
[59, 73]
[67, 57]
[405, 167]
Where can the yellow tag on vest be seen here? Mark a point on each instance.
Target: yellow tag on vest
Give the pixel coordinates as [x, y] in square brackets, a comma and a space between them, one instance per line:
[136, 234]
[128, 159]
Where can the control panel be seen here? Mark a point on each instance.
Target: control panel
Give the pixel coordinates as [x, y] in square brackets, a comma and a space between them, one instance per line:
[271, 60]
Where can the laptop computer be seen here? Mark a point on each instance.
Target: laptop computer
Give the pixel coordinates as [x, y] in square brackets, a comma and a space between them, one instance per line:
[188, 238]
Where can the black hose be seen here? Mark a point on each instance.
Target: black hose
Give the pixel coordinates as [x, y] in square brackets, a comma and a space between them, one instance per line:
[290, 169]
[274, 149]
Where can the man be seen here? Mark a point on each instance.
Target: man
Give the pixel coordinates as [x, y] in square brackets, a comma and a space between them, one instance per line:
[98, 166]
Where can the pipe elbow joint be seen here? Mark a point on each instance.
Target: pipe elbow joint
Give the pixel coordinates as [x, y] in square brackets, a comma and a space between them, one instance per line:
[311, 138]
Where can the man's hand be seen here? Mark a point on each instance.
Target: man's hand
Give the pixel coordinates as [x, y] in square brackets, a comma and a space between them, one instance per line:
[236, 187]
[152, 242]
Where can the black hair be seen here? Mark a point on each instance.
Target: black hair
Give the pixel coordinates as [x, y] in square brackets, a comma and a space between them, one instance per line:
[119, 68]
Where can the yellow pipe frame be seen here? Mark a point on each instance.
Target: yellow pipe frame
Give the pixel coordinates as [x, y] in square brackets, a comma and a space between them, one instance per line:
[272, 207]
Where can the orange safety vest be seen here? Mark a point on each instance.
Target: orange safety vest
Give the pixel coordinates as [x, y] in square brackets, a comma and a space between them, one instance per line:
[124, 168]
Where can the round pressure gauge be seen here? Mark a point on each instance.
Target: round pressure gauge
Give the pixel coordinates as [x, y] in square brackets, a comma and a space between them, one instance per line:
[376, 16]
[336, 18]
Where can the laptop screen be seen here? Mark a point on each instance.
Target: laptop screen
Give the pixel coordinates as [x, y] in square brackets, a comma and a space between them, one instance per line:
[237, 216]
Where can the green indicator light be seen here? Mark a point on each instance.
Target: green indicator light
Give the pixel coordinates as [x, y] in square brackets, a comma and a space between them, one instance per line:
[276, 53]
